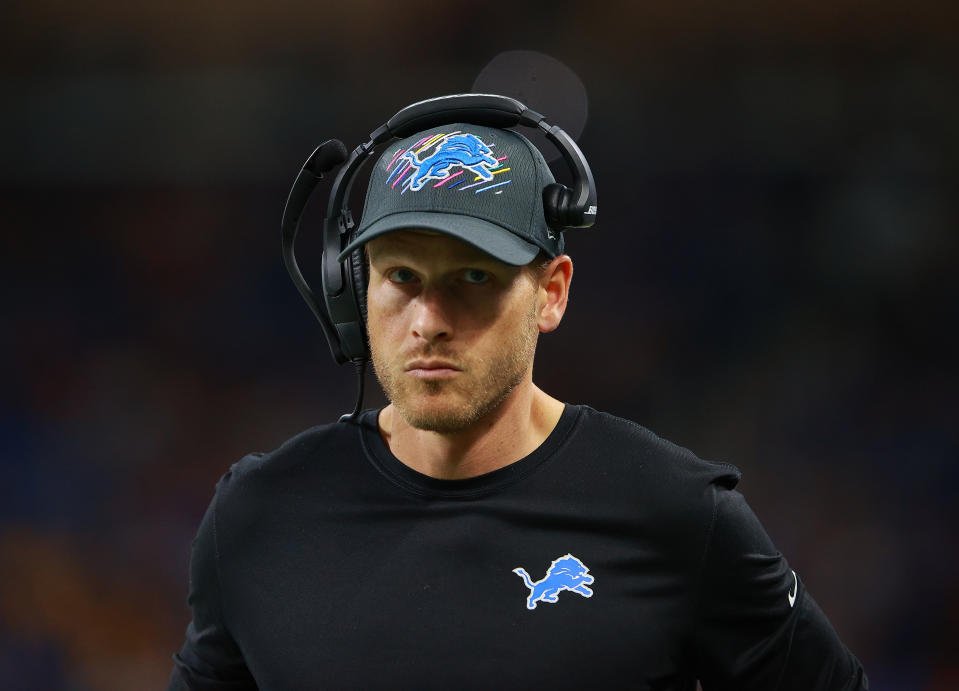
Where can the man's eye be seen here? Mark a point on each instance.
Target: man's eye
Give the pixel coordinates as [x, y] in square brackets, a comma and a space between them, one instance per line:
[476, 276]
[401, 275]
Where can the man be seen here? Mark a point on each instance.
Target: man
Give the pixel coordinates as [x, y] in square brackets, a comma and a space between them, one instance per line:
[477, 532]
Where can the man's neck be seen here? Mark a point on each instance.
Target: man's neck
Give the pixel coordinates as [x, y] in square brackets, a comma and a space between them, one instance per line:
[509, 432]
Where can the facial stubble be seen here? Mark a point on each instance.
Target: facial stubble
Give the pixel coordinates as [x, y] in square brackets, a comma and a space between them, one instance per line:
[495, 378]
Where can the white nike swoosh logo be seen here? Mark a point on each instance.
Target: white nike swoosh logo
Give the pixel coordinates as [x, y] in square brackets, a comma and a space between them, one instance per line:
[792, 595]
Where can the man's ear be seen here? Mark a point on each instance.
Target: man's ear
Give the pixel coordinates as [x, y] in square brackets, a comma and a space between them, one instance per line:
[553, 292]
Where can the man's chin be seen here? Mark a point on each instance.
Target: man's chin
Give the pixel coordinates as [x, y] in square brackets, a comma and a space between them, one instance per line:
[446, 412]
[432, 415]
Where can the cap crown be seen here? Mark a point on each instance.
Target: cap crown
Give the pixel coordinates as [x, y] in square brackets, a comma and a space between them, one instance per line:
[471, 170]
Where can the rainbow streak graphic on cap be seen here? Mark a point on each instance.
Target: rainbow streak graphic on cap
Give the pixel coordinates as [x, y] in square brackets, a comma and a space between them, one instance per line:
[434, 158]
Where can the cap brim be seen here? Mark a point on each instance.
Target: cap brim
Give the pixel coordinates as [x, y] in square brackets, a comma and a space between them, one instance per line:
[487, 237]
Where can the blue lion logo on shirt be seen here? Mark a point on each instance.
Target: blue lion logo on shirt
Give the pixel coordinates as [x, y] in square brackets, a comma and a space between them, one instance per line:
[565, 573]
[465, 150]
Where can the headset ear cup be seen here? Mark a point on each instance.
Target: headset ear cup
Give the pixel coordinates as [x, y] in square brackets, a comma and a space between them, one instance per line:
[556, 205]
[360, 278]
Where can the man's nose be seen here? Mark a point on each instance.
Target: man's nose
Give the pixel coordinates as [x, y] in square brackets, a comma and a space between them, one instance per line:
[432, 320]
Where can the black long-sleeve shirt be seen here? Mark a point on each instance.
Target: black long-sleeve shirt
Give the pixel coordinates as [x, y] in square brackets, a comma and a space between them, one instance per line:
[607, 558]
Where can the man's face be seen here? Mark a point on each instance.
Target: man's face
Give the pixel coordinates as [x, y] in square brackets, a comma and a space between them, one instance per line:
[452, 330]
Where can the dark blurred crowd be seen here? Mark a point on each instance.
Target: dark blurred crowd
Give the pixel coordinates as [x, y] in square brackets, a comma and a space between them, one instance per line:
[771, 282]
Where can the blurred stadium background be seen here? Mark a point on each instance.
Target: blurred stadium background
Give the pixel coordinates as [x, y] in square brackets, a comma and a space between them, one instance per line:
[772, 281]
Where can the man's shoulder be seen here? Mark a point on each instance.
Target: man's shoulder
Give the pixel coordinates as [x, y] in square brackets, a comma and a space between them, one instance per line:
[657, 489]
[644, 450]
[657, 482]
[312, 449]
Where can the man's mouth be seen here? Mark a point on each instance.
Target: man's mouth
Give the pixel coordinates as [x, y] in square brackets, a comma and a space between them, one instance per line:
[432, 369]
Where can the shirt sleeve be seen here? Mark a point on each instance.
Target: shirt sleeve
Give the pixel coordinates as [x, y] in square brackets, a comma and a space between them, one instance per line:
[757, 627]
[210, 659]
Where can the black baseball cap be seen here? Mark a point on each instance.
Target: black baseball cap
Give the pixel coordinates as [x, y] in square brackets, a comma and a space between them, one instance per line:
[479, 184]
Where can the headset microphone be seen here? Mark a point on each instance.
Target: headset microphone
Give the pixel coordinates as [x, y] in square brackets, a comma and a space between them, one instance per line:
[325, 158]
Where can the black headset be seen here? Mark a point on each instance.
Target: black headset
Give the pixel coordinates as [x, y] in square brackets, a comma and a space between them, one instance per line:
[344, 283]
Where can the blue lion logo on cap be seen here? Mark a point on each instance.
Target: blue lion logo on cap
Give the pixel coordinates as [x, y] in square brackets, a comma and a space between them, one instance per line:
[465, 150]
[565, 573]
